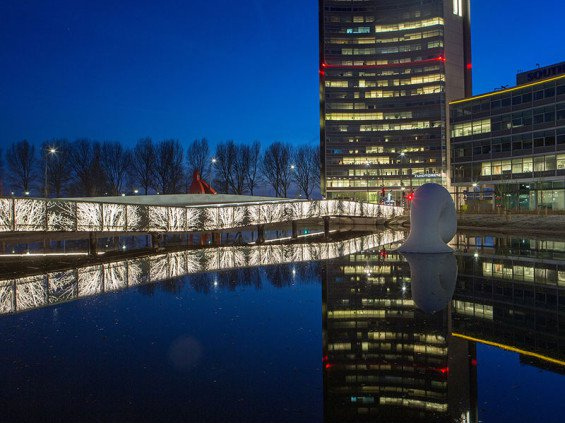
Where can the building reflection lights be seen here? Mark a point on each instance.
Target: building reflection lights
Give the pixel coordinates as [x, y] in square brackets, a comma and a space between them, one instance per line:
[384, 358]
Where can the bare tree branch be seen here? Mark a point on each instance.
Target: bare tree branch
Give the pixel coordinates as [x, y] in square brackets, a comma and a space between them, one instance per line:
[169, 167]
[198, 158]
[21, 165]
[144, 158]
[276, 167]
[115, 161]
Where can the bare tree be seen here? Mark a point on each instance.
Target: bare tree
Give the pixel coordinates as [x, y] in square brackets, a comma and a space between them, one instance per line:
[305, 169]
[276, 167]
[1, 174]
[143, 164]
[224, 166]
[198, 157]
[240, 168]
[88, 176]
[56, 165]
[115, 161]
[236, 167]
[252, 155]
[169, 169]
[21, 165]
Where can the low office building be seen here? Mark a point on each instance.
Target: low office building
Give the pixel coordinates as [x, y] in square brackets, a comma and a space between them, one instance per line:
[508, 146]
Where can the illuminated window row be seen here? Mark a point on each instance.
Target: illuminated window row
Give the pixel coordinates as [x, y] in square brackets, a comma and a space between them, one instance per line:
[383, 50]
[400, 126]
[354, 116]
[339, 346]
[369, 116]
[432, 89]
[387, 302]
[427, 338]
[358, 40]
[384, 72]
[381, 62]
[524, 165]
[471, 309]
[476, 127]
[346, 183]
[524, 273]
[411, 36]
[413, 403]
[349, 19]
[409, 25]
[387, 172]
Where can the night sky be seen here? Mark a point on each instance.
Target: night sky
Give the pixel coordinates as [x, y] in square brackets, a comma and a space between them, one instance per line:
[223, 69]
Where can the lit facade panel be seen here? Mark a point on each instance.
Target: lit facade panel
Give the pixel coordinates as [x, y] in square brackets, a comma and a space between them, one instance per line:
[510, 144]
[387, 69]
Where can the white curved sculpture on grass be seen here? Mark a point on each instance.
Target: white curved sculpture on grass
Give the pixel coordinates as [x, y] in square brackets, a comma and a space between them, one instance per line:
[433, 278]
[433, 221]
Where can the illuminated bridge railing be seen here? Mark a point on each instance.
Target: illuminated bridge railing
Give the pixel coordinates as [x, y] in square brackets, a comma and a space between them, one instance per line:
[32, 215]
[30, 292]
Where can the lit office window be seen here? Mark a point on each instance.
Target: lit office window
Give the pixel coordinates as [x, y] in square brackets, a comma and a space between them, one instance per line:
[458, 7]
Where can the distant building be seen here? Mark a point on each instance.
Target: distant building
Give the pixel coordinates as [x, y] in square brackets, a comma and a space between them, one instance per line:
[508, 146]
[388, 68]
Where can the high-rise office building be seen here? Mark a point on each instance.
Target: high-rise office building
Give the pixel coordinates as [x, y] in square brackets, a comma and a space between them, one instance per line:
[388, 69]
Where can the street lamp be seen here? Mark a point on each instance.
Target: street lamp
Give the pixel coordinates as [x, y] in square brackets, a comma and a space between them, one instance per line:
[50, 151]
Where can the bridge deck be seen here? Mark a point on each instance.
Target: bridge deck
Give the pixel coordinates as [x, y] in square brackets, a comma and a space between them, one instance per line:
[177, 213]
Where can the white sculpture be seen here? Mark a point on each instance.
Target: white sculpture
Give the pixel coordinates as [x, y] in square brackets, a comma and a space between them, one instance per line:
[433, 279]
[433, 221]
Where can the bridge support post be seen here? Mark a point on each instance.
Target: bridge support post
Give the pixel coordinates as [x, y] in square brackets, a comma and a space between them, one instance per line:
[294, 229]
[326, 227]
[92, 247]
[260, 234]
[155, 240]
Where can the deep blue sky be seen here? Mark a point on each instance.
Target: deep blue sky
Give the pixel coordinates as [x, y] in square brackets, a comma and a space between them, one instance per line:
[222, 69]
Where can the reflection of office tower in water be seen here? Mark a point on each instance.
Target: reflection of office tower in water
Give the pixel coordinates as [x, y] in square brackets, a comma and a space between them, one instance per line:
[510, 294]
[384, 358]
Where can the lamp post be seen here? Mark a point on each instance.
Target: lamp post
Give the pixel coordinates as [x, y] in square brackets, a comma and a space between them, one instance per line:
[48, 152]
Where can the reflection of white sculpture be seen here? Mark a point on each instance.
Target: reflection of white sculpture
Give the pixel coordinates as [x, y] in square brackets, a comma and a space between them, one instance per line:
[433, 221]
[433, 279]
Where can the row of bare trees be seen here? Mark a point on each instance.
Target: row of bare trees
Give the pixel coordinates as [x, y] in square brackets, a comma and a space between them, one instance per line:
[91, 168]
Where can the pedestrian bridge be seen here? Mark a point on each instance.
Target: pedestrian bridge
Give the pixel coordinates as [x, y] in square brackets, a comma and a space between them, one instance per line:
[173, 213]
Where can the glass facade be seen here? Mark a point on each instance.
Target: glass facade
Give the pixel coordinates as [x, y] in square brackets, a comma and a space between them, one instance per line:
[387, 71]
[512, 143]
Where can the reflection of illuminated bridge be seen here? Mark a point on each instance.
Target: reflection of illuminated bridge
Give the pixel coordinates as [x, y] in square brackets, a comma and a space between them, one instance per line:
[172, 213]
[33, 291]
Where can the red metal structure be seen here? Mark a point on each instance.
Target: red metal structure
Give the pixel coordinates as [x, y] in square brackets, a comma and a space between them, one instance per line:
[199, 185]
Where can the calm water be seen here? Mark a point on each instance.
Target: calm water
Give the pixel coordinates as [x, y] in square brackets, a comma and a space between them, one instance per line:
[339, 340]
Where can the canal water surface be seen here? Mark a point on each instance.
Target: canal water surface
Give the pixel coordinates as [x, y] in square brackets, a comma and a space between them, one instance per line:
[368, 336]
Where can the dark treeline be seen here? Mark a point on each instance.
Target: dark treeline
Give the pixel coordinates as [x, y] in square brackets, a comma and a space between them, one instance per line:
[87, 168]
